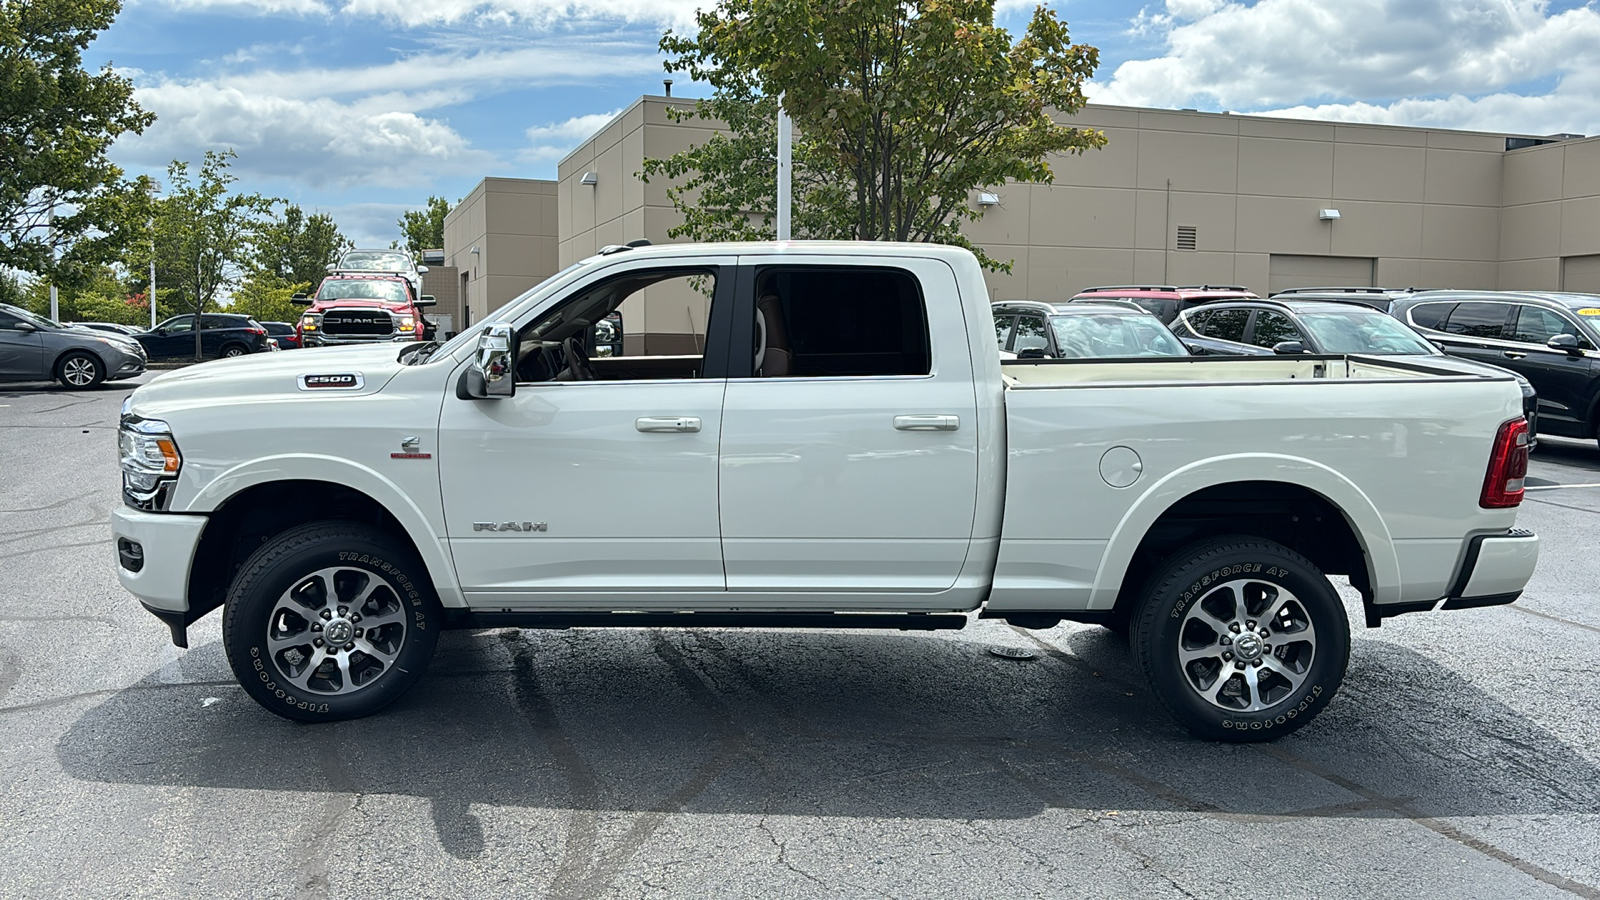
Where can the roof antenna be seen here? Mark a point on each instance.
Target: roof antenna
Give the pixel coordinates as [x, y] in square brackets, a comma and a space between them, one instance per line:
[667, 83]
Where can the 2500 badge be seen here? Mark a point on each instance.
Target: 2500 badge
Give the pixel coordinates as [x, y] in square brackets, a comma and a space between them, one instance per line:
[342, 381]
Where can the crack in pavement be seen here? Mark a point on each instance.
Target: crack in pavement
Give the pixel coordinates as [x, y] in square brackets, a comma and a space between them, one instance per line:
[1534, 612]
[16, 553]
[107, 692]
[1405, 810]
[56, 505]
[341, 799]
[783, 851]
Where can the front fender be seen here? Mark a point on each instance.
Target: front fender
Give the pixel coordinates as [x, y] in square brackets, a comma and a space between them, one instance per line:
[395, 498]
[1383, 564]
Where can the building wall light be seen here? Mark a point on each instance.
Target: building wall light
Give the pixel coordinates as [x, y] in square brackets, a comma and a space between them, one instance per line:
[987, 199]
[1327, 215]
[590, 178]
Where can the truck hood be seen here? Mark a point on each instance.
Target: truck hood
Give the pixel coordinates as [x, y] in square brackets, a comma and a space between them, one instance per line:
[320, 372]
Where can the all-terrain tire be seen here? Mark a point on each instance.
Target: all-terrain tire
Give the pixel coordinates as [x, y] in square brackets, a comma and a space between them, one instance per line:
[1241, 638]
[330, 621]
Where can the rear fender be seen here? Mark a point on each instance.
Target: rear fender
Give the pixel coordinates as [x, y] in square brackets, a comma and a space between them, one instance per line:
[1383, 565]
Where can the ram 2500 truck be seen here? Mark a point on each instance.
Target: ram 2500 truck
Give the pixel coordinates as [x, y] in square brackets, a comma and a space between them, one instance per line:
[837, 446]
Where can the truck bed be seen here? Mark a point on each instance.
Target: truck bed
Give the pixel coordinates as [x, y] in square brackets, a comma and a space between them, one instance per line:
[1031, 373]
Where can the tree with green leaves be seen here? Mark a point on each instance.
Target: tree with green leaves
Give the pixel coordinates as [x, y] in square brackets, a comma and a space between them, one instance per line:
[101, 294]
[205, 235]
[296, 248]
[901, 109]
[266, 297]
[423, 229]
[63, 206]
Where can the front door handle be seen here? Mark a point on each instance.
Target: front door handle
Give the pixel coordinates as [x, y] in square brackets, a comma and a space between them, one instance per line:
[1513, 354]
[927, 423]
[659, 424]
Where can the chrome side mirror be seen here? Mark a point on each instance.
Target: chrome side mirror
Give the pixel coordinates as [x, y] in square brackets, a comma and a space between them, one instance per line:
[493, 372]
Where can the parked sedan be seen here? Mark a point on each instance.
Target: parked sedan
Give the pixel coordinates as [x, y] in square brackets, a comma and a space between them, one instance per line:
[1081, 330]
[221, 335]
[34, 348]
[284, 333]
[114, 328]
[1548, 337]
[1264, 327]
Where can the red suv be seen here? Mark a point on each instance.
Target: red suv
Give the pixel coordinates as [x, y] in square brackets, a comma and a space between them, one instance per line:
[351, 308]
[1165, 301]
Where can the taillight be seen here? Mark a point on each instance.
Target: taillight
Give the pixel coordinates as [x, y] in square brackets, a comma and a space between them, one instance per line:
[258, 331]
[1508, 467]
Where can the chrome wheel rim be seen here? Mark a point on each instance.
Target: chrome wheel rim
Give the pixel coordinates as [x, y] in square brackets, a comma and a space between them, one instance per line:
[233, 351]
[78, 371]
[337, 631]
[1246, 645]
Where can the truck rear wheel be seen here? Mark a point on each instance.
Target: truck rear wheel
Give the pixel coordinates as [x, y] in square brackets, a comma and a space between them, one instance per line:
[330, 621]
[1241, 638]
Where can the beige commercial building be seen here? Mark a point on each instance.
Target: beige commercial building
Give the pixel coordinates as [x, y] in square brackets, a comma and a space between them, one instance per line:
[1175, 197]
[501, 240]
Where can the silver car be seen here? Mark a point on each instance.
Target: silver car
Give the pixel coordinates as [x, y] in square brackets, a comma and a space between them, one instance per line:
[33, 348]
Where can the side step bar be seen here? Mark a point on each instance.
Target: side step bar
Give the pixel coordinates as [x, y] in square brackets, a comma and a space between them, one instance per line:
[561, 620]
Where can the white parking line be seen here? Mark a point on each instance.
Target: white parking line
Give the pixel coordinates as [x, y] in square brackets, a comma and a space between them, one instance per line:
[1557, 487]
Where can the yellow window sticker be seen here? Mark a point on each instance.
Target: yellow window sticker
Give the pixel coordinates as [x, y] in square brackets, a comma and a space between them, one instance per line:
[1589, 311]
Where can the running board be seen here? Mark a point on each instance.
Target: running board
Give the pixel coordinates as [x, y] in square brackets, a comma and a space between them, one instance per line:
[562, 620]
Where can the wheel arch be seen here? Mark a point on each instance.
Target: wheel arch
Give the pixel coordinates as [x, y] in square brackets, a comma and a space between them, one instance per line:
[55, 364]
[256, 510]
[1249, 494]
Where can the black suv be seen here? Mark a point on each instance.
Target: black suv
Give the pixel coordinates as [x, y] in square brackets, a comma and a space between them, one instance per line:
[1289, 325]
[221, 334]
[1550, 338]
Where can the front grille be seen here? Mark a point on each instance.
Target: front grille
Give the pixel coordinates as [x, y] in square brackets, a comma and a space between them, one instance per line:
[357, 323]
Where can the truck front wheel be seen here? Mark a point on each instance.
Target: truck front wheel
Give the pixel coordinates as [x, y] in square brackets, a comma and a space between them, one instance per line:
[1242, 639]
[330, 621]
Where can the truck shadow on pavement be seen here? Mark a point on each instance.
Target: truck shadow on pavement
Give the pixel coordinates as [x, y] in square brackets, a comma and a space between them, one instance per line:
[627, 728]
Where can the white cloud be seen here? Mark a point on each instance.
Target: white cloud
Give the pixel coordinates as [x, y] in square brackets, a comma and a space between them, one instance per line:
[412, 13]
[548, 143]
[316, 141]
[1369, 60]
[362, 125]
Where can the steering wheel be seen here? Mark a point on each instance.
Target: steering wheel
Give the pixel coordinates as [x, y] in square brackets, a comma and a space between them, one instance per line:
[577, 358]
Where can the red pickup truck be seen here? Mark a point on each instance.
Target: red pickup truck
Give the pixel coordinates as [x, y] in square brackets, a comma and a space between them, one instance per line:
[363, 308]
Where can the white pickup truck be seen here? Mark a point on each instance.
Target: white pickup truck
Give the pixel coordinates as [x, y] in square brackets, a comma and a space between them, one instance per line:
[835, 445]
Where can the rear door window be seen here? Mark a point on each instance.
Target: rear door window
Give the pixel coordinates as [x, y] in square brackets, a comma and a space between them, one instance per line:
[847, 321]
[1221, 324]
[1002, 330]
[1478, 320]
[1431, 315]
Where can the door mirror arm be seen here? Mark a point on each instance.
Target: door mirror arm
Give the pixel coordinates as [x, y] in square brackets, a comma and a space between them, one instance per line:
[492, 374]
[1565, 343]
[1284, 348]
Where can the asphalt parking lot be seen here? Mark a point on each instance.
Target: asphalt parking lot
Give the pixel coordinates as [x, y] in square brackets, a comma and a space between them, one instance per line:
[1461, 759]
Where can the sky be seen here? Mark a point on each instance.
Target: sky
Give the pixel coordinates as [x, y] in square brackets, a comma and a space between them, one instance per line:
[364, 108]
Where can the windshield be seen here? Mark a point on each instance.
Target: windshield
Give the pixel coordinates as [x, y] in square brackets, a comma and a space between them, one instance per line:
[31, 318]
[1363, 330]
[1110, 336]
[470, 334]
[363, 289]
[376, 261]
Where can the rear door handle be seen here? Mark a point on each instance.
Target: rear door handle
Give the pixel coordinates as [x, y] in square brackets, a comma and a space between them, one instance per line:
[659, 424]
[927, 423]
[1513, 354]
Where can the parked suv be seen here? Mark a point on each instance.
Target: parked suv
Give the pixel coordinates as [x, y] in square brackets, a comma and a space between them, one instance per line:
[1166, 301]
[1288, 325]
[1550, 338]
[221, 335]
[355, 308]
[1111, 330]
[34, 348]
[1381, 299]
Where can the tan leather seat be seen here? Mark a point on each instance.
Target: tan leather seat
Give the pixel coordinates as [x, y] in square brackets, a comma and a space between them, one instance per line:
[774, 359]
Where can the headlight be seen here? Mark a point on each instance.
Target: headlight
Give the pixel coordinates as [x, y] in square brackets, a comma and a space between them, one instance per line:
[308, 322]
[407, 324]
[150, 461]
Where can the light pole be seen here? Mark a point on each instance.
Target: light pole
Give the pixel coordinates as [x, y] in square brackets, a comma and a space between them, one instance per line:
[785, 162]
[154, 188]
[55, 313]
